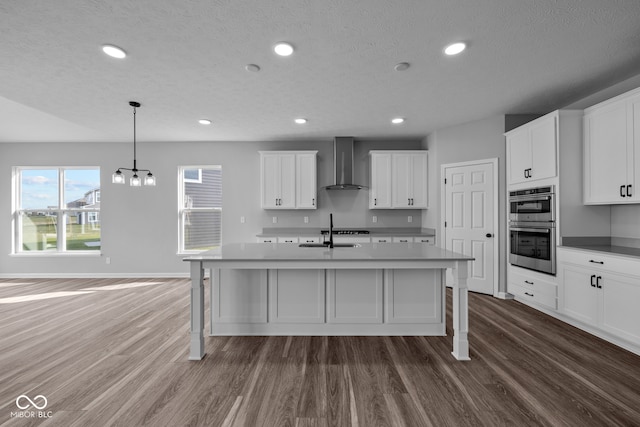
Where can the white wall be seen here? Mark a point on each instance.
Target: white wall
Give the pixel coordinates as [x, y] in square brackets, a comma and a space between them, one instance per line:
[482, 139]
[139, 225]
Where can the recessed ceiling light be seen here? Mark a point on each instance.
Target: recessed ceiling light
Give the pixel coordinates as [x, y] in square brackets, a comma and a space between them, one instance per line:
[204, 121]
[397, 120]
[283, 49]
[401, 66]
[114, 51]
[252, 67]
[455, 48]
[301, 121]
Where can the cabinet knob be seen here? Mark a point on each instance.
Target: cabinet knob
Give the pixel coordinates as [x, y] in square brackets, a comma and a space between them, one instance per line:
[489, 235]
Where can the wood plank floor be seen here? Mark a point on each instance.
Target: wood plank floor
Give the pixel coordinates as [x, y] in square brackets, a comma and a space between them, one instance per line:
[114, 352]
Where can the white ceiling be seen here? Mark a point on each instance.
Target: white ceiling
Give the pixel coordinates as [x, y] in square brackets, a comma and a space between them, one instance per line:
[186, 61]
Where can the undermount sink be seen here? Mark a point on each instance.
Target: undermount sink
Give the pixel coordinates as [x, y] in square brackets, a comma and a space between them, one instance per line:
[322, 245]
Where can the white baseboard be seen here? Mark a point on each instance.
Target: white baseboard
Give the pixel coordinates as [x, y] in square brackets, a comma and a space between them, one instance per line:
[92, 275]
[504, 295]
[629, 346]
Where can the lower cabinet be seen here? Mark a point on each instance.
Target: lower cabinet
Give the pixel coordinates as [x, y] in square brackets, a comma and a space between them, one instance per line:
[601, 291]
[354, 296]
[327, 302]
[413, 296]
[296, 296]
[536, 288]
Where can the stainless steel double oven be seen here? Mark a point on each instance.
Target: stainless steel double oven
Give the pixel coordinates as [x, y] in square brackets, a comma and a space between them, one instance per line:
[532, 229]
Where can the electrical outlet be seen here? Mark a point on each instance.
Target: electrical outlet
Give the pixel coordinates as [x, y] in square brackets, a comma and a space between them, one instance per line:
[242, 220]
[409, 218]
[306, 220]
[374, 219]
[274, 220]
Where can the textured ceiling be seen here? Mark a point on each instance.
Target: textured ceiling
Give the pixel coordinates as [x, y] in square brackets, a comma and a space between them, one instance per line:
[186, 61]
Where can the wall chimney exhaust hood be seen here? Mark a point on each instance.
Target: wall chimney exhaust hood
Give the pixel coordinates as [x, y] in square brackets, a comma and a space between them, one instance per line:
[343, 165]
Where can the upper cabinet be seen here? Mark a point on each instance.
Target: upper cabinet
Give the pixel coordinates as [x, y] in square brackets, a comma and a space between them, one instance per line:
[612, 151]
[288, 179]
[532, 150]
[398, 179]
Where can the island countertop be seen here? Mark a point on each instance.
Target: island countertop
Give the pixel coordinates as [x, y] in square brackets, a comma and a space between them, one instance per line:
[381, 252]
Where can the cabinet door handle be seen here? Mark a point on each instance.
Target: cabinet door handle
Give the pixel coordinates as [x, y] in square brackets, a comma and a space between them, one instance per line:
[596, 262]
[525, 173]
[375, 202]
[629, 190]
[528, 282]
[527, 293]
[412, 201]
[622, 191]
[598, 285]
[313, 202]
[593, 276]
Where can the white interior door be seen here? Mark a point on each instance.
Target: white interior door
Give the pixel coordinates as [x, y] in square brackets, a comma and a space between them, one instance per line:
[470, 220]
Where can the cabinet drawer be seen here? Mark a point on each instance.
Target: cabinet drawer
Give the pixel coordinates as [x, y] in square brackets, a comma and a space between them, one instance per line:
[287, 240]
[402, 239]
[532, 284]
[535, 296]
[597, 260]
[425, 240]
[382, 239]
[309, 239]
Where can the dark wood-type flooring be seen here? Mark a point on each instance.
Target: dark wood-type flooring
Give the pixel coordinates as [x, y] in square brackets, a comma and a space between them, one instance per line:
[114, 352]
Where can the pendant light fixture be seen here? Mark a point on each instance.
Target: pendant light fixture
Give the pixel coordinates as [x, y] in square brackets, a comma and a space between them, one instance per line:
[135, 181]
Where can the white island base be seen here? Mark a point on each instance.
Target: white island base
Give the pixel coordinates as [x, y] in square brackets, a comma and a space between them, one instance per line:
[280, 289]
[327, 302]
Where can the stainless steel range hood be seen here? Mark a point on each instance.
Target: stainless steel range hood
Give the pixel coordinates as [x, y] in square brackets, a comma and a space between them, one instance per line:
[343, 165]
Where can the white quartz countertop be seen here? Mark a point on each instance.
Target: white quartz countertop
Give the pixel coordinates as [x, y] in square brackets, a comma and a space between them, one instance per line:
[363, 252]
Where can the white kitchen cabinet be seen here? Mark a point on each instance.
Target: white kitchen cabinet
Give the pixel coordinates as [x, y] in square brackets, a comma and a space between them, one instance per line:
[425, 240]
[288, 239]
[532, 150]
[288, 179]
[306, 180]
[532, 287]
[238, 296]
[296, 296]
[413, 296]
[354, 296]
[380, 191]
[612, 151]
[267, 240]
[409, 180]
[601, 291]
[399, 179]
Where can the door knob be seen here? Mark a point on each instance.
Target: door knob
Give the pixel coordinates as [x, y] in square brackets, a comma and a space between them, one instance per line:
[489, 235]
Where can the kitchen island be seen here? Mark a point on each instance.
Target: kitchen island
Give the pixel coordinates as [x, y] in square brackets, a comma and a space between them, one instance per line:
[340, 274]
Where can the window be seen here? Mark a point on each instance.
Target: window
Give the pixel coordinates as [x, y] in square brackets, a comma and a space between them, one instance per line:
[200, 208]
[57, 210]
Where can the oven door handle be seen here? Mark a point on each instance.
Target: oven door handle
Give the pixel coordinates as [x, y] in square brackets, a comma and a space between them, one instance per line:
[533, 230]
[527, 198]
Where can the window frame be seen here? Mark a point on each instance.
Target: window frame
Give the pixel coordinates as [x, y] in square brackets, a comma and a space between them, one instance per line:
[60, 213]
[183, 210]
